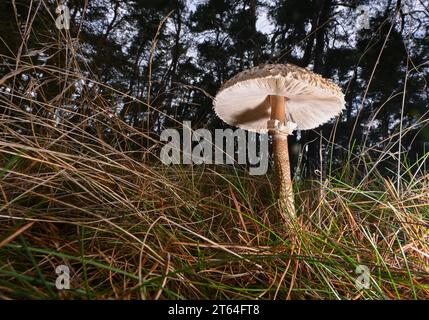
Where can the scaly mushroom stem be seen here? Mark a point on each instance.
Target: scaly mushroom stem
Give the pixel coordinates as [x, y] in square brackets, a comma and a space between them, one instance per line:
[281, 158]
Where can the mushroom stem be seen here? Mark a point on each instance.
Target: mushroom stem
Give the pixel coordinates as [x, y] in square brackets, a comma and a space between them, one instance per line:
[281, 158]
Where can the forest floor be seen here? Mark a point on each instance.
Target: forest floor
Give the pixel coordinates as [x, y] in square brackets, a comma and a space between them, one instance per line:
[128, 227]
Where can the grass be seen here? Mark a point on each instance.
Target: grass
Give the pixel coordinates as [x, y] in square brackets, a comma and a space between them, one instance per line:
[88, 192]
[130, 228]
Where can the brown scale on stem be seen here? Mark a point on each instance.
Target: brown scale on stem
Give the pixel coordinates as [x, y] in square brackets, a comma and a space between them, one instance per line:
[281, 159]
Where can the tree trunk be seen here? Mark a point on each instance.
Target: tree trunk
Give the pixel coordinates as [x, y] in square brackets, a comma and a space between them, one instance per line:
[311, 136]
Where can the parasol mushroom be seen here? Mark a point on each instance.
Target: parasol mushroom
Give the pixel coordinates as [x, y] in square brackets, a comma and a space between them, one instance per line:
[278, 99]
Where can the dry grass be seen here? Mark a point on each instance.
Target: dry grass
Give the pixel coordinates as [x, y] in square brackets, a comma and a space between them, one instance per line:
[88, 191]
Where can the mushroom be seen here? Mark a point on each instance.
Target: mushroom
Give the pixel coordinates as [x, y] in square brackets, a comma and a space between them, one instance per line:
[278, 99]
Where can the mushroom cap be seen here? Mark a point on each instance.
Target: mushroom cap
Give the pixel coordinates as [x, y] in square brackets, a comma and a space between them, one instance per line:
[311, 100]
